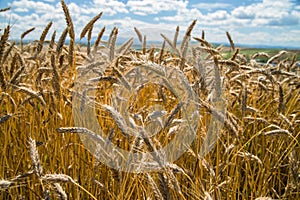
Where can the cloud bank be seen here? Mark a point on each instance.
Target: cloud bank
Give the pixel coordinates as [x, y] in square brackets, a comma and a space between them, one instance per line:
[269, 22]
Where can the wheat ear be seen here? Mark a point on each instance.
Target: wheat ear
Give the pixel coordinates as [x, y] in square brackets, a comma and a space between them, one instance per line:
[154, 187]
[112, 44]
[230, 41]
[56, 78]
[52, 41]
[7, 52]
[23, 35]
[139, 34]
[61, 41]
[176, 36]
[88, 48]
[4, 9]
[60, 192]
[4, 39]
[34, 155]
[42, 38]
[97, 42]
[187, 35]
[89, 25]
[68, 19]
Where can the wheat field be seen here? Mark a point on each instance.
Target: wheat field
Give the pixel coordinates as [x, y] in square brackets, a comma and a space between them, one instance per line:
[254, 154]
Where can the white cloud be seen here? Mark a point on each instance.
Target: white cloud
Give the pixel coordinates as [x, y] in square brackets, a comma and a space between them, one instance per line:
[21, 10]
[268, 12]
[155, 7]
[37, 6]
[218, 15]
[243, 13]
[110, 7]
[212, 6]
[183, 16]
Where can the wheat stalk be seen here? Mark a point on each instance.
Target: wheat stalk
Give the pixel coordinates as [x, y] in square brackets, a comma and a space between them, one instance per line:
[163, 186]
[244, 100]
[61, 41]
[97, 42]
[52, 41]
[89, 25]
[31, 93]
[7, 52]
[176, 36]
[59, 191]
[3, 40]
[154, 187]
[170, 43]
[161, 54]
[119, 120]
[144, 45]
[54, 178]
[123, 49]
[34, 155]
[230, 41]
[203, 42]
[88, 48]
[56, 78]
[5, 118]
[16, 75]
[139, 34]
[68, 20]
[42, 38]
[275, 57]
[27, 32]
[23, 35]
[4, 9]
[112, 43]
[277, 132]
[187, 35]
[281, 105]
[5, 184]
[71, 53]
[81, 130]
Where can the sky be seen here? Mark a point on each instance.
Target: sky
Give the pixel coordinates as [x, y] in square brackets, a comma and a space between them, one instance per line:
[255, 22]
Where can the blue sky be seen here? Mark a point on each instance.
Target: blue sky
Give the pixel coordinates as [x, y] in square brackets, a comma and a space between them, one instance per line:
[267, 22]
